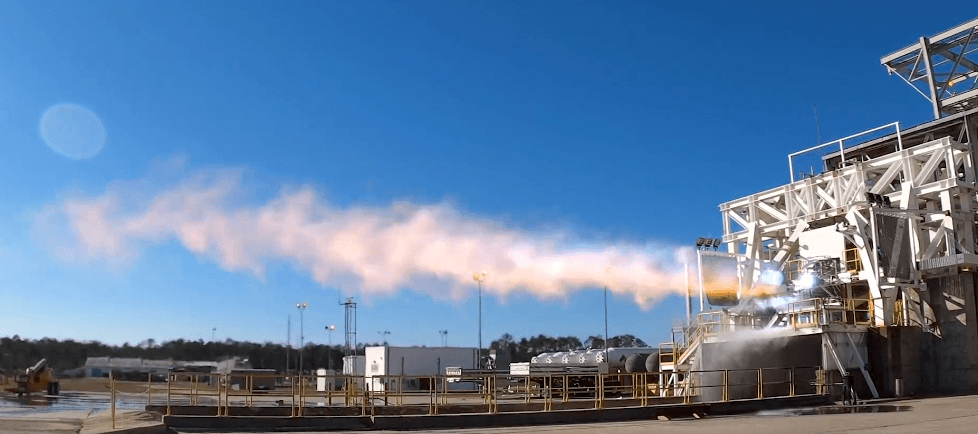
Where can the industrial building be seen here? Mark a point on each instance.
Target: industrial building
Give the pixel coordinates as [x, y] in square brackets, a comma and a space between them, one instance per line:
[102, 366]
[864, 268]
[418, 365]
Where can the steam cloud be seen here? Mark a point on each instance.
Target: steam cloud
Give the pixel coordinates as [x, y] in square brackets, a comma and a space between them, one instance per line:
[431, 248]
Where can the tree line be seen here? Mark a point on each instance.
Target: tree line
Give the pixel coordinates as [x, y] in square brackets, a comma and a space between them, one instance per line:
[17, 353]
[66, 355]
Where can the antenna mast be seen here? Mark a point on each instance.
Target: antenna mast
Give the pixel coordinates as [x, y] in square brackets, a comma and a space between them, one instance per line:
[818, 130]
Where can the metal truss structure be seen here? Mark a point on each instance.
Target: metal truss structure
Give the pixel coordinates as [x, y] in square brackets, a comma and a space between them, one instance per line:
[930, 187]
[942, 68]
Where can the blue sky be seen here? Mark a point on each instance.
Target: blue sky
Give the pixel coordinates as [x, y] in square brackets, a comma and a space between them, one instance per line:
[619, 123]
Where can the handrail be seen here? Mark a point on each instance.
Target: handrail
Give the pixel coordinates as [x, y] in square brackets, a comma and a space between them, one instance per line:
[498, 393]
[842, 151]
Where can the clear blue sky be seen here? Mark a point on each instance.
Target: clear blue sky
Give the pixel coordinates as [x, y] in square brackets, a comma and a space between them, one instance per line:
[616, 122]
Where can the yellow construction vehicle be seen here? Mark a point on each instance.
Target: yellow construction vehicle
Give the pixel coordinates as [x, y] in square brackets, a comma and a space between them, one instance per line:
[36, 379]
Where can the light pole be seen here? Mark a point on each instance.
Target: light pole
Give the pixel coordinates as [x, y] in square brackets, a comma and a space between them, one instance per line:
[213, 332]
[480, 277]
[383, 335]
[444, 337]
[302, 307]
[288, 347]
[329, 349]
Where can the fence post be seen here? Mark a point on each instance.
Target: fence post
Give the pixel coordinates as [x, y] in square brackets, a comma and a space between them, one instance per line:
[760, 383]
[430, 400]
[434, 389]
[687, 389]
[791, 379]
[400, 389]
[599, 392]
[492, 396]
[566, 396]
[726, 392]
[366, 396]
[217, 384]
[484, 387]
[645, 389]
[112, 387]
[169, 380]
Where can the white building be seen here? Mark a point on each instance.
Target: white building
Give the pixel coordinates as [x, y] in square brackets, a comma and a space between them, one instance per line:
[102, 366]
[416, 364]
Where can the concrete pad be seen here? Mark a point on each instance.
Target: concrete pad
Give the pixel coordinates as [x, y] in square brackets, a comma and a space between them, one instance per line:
[125, 422]
[949, 414]
[82, 422]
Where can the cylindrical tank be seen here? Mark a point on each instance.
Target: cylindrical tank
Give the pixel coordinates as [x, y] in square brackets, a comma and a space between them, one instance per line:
[569, 358]
[540, 358]
[652, 362]
[555, 357]
[635, 363]
[617, 356]
[587, 357]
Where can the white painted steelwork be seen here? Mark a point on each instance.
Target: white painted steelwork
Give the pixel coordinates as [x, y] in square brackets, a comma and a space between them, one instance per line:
[931, 184]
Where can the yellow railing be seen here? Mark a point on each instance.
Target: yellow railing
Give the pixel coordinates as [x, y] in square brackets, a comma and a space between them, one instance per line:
[812, 312]
[793, 269]
[853, 264]
[297, 396]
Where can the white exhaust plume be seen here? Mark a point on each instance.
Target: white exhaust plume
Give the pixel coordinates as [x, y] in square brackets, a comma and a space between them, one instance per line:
[431, 248]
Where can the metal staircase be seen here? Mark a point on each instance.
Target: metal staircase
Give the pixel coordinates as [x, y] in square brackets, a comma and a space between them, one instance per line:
[676, 359]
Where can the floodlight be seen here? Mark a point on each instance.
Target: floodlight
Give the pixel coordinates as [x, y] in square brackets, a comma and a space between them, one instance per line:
[700, 242]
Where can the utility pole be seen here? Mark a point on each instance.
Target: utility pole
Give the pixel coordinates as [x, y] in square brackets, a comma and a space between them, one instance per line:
[689, 295]
[329, 349]
[480, 277]
[302, 308]
[288, 346]
[606, 324]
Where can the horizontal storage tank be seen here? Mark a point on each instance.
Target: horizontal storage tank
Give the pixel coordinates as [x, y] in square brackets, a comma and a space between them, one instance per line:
[617, 356]
[652, 362]
[588, 357]
[570, 358]
[635, 363]
[555, 358]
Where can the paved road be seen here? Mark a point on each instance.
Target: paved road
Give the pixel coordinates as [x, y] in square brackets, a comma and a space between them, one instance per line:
[944, 415]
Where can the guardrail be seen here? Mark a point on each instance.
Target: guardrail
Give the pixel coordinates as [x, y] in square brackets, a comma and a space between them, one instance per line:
[842, 147]
[228, 394]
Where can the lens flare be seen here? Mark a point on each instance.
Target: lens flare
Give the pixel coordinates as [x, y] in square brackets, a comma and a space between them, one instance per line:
[73, 131]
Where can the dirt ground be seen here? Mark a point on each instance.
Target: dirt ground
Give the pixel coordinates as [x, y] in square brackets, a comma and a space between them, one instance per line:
[72, 422]
[101, 422]
[102, 385]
